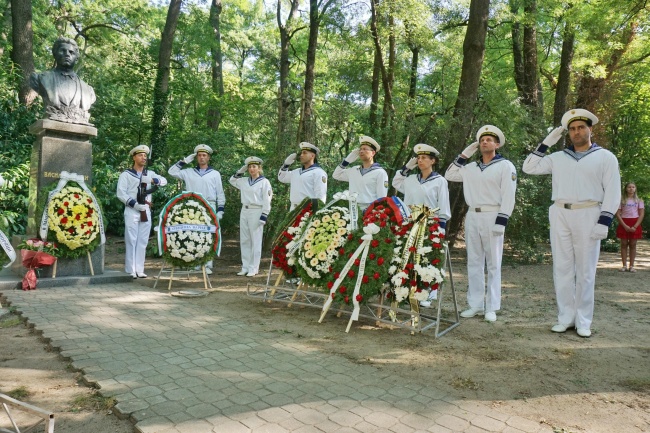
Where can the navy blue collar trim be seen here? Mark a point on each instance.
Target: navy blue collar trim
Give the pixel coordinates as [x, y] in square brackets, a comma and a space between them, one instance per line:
[497, 158]
[432, 176]
[579, 155]
[312, 167]
[134, 173]
[252, 182]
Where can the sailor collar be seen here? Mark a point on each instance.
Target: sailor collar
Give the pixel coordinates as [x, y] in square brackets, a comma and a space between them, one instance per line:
[312, 167]
[497, 158]
[134, 173]
[432, 176]
[570, 151]
[373, 167]
[206, 171]
[252, 182]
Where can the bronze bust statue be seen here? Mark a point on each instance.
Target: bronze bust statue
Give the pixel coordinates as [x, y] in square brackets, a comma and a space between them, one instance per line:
[67, 98]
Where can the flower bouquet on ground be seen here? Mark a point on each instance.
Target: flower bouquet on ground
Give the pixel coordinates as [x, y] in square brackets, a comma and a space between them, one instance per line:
[188, 232]
[36, 254]
[319, 245]
[291, 228]
[417, 265]
[72, 218]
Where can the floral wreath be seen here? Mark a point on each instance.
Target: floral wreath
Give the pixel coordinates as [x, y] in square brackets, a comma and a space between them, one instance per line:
[72, 218]
[417, 266]
[319, 244]
[290, 228]
[384, 214]
[188, 233]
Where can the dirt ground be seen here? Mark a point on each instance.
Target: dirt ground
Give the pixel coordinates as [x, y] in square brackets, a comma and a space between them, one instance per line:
[599, 384]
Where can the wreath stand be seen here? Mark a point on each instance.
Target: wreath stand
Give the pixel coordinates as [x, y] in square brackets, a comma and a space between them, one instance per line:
[292, 291]
[182, 271]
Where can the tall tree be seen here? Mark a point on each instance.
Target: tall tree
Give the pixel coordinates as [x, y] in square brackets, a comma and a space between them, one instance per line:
[306, 129]
[463, 117]
[560, 106]
[524, 49]
[160, 118]
[214, 112]
[22, 50]
[287, 31]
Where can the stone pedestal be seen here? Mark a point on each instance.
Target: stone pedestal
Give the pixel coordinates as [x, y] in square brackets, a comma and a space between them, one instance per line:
[60, 146]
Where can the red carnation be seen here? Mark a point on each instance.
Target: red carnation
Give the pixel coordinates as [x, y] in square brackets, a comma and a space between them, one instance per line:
[90, 223]
[347, 299]
[365, 279]
[64, 220]
[76, 196]
[372, 256]
[60, 211]
[388, 240]
[435, 286]
[360, 241]
[382, 224]
[376, 276]
[77, 217]
[342, 289]
[330, 285]
[357, 262]
[71, 230]
[393, 219]
[435, 261]
[359, 298]
[380, 261]
[350, 236]
[437, 245]
[333, 295]
[413, 283]
[90, 211]
[337, 275]
[341, 251]
[350, 273]
[89, 200]
[412, 249]
[350, 255]
[374, 243]
[66, 204]
[425, 283]
[409, 266]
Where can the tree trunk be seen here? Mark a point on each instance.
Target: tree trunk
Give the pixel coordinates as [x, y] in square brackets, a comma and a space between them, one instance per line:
[307, 127]
[386, 73]
[22, 51]
[560, 106]
[524, 53]
[214, 112]
[160, 118]
[463, 117]
[284, 99]
[374, 100]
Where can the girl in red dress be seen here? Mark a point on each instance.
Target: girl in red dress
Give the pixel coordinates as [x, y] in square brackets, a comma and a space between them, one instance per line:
[630, 214]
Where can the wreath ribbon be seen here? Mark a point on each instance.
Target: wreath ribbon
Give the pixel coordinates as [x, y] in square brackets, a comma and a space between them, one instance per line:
[362, 250]
[64, 178]
[9, 250]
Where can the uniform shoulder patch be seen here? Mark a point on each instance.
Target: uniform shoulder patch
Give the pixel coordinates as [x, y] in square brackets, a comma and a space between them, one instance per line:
[385, 184]
[514, 176]
[324, 179]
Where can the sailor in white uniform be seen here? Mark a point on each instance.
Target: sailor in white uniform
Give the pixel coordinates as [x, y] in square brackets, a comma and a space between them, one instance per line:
[368, 180]
[426, 188]
[202, 179]
[136, 231]
[256, 195]
[489, 187]
[308, 181]
[586, 190]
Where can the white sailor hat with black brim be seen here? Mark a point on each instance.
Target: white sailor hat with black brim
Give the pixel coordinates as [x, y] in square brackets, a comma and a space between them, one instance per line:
[369, 141]
[141, 148]
[425, 149]
[493, 131]
[203, 148]
[253, 160]
[308, 146]
[578, 114]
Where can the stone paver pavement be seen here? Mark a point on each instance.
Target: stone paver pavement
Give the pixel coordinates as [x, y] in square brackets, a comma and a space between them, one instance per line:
[175, 367]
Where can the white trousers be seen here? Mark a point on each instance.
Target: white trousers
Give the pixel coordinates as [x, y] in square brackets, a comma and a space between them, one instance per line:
[250, 239]
[482, 248]
[136, 236]
[575, 258]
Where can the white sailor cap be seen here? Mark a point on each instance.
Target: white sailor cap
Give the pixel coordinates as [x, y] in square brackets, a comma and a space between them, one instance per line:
[425, 149]
[578, 114]
[139, 149]
[308, 146]
[493, 131]
[253, 160]
[203, 148]
[369, 141]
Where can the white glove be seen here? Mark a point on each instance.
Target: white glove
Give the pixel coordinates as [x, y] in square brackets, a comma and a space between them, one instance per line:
[140, 207]
[262, 222]
[189, 158]
[242, 169]
[290, 159]
[413, 162]
[442, 231]
[220, 215]
[146, 180]
[599, 232]
[470, 150]
[498, 230]
[554, 136]
[353, 156]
